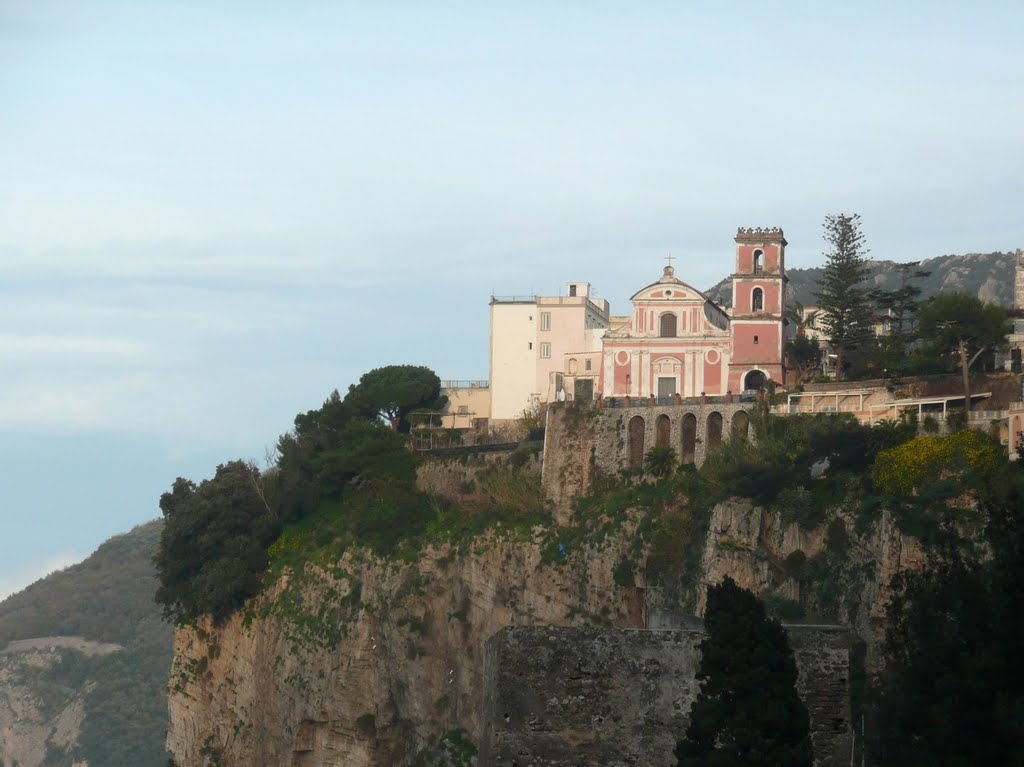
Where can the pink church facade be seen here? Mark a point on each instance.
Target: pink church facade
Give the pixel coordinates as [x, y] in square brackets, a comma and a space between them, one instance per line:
[679, 341]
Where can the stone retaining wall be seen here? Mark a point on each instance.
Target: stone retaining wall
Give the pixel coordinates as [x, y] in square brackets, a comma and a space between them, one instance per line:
[583, 697]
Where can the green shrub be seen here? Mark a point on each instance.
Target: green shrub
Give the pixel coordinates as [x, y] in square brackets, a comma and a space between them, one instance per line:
[622, 575]
[798, 504]
[956, 419]
[660, 461]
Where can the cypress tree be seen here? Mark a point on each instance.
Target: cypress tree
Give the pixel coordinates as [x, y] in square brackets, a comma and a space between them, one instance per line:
[844, 305]
[748, 713]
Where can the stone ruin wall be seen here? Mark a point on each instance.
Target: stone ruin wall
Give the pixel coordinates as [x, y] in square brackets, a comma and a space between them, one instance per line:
[583, 697]
[456, 476]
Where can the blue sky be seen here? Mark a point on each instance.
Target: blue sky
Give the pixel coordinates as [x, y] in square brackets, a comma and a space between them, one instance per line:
[212, 214]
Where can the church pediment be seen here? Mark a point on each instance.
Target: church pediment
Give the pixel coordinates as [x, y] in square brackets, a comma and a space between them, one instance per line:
[670, 288]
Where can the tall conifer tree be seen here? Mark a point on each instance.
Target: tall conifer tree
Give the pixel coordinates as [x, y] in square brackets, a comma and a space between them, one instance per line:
[844, 305]
[748, 713]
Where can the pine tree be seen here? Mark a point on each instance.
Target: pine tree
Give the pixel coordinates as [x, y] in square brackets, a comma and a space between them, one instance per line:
[844, 306]
[748, 713]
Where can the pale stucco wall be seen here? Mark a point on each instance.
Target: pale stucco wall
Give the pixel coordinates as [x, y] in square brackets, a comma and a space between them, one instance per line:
[513, 358]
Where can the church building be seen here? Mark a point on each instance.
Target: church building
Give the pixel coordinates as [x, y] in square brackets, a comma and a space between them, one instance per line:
[675, 340]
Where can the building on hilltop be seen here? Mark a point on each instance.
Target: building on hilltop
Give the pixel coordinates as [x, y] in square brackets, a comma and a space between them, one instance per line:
[534, 340]
[679, 341]
[675, 341]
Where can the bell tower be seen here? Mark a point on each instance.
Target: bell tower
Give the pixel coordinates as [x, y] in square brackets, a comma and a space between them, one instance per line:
[758, 309]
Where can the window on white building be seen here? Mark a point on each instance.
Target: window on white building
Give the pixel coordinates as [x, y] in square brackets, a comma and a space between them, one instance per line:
[586, 365]
[529, 345]
[545, 321]
[463, 409]
[545, 350]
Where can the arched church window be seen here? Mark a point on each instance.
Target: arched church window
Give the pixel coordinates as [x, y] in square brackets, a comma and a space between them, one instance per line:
[757, 300]
[758, 261]
[668, 325]
[573, 366]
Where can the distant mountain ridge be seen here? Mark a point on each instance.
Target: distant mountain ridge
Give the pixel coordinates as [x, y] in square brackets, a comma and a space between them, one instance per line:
[84, 662]
[989, 276]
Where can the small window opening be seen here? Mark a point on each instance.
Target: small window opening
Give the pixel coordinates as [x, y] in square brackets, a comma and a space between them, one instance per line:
[586, 364]
[758, 261]
[757, 300]
[668, 325]
[572, 290]
[755, 339]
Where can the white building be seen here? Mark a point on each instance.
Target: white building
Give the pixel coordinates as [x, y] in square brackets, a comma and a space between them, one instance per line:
[535, 339]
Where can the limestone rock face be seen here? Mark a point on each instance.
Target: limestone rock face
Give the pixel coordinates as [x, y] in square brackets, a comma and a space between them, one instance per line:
[366, 662]
[751, 545]
[35, 712]
[406, 667]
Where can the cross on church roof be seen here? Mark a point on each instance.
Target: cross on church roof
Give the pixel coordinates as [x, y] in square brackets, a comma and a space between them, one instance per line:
[669, 258]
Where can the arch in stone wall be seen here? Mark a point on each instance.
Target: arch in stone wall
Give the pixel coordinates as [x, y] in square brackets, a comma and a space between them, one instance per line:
[688, 430]
[637, 427]
[714, 431]
[740, 425]
[662, 429]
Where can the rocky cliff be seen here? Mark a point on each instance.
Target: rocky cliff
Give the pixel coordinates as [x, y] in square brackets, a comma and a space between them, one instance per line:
[372, 661]
[366, 662]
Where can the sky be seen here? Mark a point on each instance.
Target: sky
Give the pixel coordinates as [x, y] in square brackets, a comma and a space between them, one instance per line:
[214, 213]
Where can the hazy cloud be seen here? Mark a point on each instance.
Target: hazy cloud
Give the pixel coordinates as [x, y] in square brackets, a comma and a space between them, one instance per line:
[13, 580]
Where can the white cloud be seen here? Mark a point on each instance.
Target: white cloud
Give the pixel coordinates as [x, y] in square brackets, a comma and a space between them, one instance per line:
[15, 579]
[42, 347]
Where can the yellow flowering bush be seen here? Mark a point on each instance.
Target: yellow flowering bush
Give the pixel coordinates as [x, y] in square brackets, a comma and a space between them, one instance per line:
[905, 468]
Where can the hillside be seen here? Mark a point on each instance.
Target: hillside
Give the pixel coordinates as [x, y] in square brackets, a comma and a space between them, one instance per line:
[986, 275]
[84, 662]
[370, 655]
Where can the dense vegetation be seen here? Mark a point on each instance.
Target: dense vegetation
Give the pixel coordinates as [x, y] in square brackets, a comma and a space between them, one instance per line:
[106, 598]
[343, 477]
[952, 692]
[748, 713]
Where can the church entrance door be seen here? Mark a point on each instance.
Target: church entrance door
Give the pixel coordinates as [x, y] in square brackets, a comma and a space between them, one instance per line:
[583, 389]
[666, 388]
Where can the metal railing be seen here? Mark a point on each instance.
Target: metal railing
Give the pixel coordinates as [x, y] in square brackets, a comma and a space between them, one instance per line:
[453, 383]
[513, 299]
